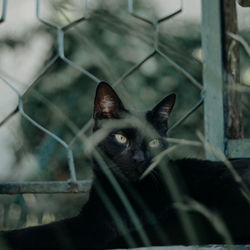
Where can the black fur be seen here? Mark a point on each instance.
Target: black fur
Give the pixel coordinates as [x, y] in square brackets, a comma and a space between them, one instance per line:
[210, 184]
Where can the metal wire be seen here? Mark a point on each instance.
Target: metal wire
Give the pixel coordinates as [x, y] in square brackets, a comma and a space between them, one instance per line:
[44, 187]
[191, 111]
[4, 8]
[74, 185]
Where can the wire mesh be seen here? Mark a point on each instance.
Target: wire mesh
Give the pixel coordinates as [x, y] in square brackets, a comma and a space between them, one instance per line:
[74, 185]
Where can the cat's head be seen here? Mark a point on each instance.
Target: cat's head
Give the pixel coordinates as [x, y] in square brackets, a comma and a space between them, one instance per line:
[132, 139]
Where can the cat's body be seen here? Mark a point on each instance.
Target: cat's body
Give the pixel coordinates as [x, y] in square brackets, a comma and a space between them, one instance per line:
[107, 221]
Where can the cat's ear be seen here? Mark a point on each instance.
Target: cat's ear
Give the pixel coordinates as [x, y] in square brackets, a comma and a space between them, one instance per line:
[107, 103]
[160, 113]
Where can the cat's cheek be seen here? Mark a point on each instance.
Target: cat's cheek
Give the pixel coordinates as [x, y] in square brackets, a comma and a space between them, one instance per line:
[122, 148]
[148, 154]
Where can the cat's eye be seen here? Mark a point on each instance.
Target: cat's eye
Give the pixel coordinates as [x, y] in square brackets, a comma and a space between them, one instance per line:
[154, 143]
[120, 138]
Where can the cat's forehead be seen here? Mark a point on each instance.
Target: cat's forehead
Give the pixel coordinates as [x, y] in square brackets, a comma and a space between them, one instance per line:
[140, 125]
[131, 123]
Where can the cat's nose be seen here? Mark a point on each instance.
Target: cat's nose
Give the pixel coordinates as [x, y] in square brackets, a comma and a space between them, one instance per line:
[138, 157]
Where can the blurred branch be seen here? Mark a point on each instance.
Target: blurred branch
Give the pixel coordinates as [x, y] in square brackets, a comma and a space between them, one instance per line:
[232, 68]
[244, 3]
[242, 41]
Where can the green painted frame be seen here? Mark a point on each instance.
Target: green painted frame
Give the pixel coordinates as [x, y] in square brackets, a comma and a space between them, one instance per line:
[214, 86]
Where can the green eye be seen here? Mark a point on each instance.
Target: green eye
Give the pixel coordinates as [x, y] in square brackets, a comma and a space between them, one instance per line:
[121, 138]
[154, 143]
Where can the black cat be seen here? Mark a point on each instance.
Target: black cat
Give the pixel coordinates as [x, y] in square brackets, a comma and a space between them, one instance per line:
[183, 201]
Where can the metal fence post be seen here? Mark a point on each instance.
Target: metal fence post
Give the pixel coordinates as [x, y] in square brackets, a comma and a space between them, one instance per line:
[213, 79]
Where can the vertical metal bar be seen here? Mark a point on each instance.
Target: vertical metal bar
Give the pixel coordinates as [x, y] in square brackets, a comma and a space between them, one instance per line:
[213, 75]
